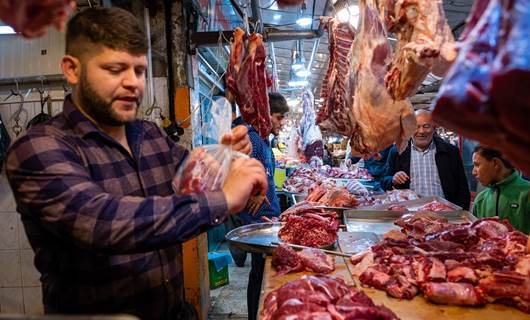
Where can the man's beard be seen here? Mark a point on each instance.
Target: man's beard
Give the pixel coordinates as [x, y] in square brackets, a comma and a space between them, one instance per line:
[99, 109]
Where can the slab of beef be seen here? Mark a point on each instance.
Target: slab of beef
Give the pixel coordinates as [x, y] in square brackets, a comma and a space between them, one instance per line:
[484, 96]
[286, 260]
[247, 81]
[335, 113]
[332, 197]
[237, 54]
[509, 288]
[310, 229]
[399, 195]
[317, 261]
[321, 297]
[460, 264]
[435, 206]
[462, 294]
[425, 43]
[379, 120]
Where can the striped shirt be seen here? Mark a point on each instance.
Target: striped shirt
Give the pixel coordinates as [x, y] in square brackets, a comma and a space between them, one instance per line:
[424, 177]
[105, 225]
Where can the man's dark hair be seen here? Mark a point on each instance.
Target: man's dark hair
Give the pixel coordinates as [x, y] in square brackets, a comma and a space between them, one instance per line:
[489, 154]
[98, 27]
[277, 103]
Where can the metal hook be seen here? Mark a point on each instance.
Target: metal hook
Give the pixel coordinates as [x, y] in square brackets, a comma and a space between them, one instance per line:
[17, 89]
[152, 108]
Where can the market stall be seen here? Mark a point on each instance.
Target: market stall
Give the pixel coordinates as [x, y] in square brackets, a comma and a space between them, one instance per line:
[333, 136]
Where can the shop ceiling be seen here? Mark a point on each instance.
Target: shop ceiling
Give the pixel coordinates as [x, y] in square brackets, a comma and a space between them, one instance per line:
[287, 41]
[282, 32]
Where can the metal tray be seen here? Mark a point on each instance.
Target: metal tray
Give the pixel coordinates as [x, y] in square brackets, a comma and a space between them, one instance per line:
[258, 237]
[380, 222]
[355, 242]
[413, 205]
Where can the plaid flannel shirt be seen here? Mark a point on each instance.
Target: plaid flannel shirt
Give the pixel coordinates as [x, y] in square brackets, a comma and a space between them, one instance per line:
[106, 227]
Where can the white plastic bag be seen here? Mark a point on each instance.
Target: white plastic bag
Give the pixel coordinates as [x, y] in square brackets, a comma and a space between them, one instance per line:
[218, 121]
[206, 167]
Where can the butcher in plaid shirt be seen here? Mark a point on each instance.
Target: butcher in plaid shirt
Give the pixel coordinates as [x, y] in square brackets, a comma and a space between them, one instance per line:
[93, 184]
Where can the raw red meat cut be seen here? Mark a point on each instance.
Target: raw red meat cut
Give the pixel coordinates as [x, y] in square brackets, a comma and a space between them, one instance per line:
[321, 297]
[310, 229]
[462, 294]
[425, 43]
[397, 207]
[462, 264]
[237, 54]
[335, 112]
[247, 81]
[379, 121]
[435, 206]
[205, 169]
[332, 197]
[484, 96]
[317, 261]
[286, 260]
[400, 195]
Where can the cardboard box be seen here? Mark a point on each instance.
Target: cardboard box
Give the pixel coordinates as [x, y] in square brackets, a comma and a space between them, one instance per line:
[218, 268]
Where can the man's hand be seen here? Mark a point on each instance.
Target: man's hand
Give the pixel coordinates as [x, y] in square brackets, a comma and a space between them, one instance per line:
[255, 202]
[246, 178]
[400, 178]
[238, 139]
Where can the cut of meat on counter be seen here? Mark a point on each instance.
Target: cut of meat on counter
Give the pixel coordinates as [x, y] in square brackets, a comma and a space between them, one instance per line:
[485, 94]
[425, 43]
[467, 264]
[435, 206]
[286, 260]
[321, 297]
[308, 226]
[332, 197]
[335, 113]
[397, 207]
[400, 195]
[247, 81]
[379, 121]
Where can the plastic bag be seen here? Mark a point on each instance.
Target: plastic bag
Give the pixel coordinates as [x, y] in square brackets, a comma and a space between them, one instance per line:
[206, 167]
[218, 121]
[292, 144]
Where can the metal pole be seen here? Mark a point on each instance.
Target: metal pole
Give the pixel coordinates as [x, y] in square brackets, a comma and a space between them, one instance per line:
[168, 5]
[150, 84]
[313, 53]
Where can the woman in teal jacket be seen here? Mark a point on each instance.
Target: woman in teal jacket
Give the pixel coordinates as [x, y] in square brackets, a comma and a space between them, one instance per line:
[507, 194]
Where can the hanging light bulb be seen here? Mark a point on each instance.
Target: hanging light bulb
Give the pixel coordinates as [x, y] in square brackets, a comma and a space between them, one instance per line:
[303, 72]
[304, 21]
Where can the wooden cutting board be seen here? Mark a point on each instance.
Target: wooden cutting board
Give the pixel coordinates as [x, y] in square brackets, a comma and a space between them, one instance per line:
[420, 309]
[271, 282]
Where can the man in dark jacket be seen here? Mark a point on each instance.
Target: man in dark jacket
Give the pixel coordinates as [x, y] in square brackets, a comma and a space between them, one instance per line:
[430, 166]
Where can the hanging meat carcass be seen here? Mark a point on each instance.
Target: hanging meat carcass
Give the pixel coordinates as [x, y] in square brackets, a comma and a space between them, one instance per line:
[237, 54]
[335, 113]
[425, 43]
[485, 94]
[379, 121]
[247, 81]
